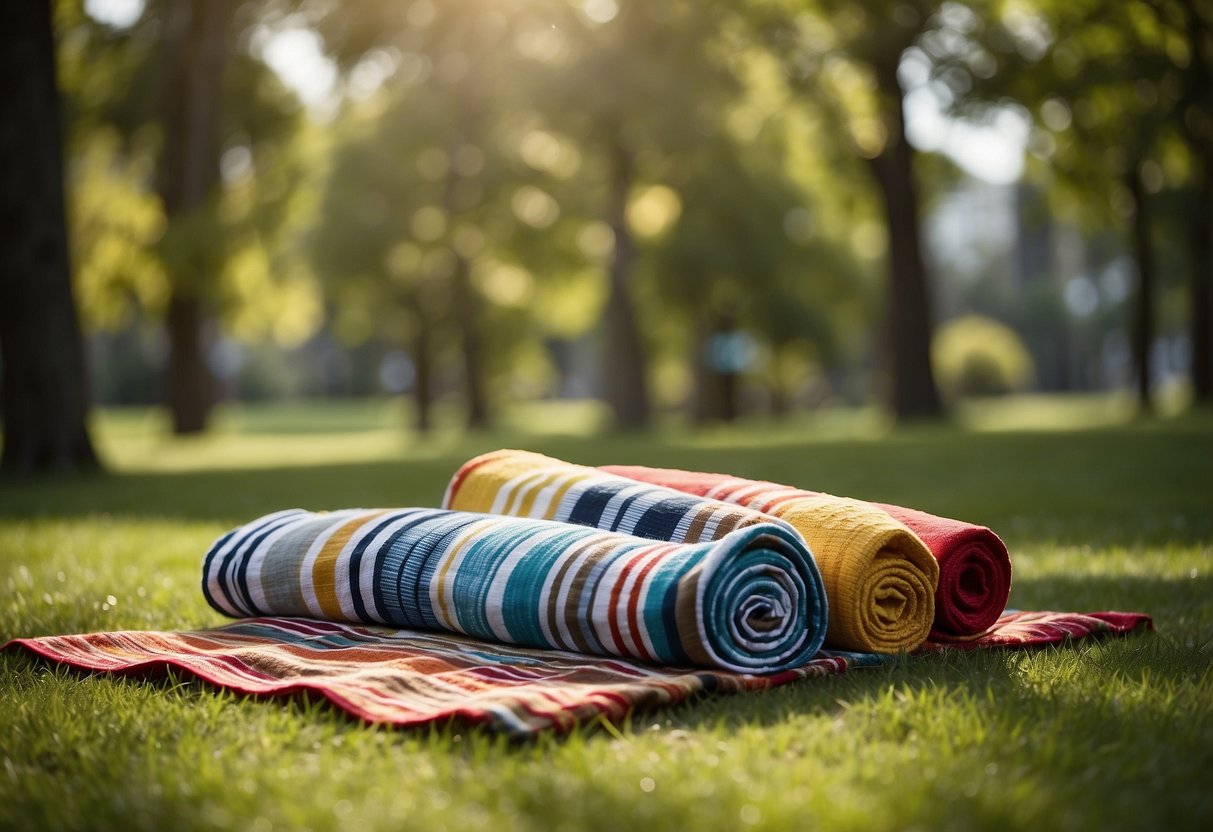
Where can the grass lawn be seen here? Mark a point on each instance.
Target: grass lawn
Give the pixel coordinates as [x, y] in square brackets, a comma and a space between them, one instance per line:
[1099, 514]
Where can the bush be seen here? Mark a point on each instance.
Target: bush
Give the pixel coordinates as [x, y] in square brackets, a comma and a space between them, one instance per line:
[978, 356]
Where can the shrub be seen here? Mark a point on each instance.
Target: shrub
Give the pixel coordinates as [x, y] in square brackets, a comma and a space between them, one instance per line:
[978, 356]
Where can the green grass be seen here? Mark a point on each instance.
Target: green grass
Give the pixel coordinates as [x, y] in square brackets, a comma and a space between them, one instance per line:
[1102, 514]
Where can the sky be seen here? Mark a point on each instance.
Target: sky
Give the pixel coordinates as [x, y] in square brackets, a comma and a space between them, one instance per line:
[114, 12]
[993, 152]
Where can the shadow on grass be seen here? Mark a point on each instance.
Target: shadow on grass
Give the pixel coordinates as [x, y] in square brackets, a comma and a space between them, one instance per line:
[989, 740]
[994, 675]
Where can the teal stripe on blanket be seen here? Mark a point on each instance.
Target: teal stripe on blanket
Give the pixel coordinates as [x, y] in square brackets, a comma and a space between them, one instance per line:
[752, 601]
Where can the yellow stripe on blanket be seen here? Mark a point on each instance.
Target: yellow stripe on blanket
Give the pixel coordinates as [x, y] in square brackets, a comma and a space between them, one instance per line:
[879, 577]
[324, 578]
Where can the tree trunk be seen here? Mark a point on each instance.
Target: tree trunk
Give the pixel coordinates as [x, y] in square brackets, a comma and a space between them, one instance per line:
[1200, 249]
[1196, 124]
[1143, 308]
[909, 325]
[705, 403]
[44, 395]
[468, 110]
[195, 51]
[715, 385]
[467, 310]
[624, 376]
[190, 384]
[423, 375]
[1064, 357]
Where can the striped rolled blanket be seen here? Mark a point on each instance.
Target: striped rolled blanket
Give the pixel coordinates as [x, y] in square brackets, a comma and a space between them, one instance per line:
[974, 565]
[751, 601]
[879, 577]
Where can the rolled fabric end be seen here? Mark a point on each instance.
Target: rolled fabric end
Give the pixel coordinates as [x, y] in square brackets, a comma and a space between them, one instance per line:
[760, 605]
[880, 577]
[974, 572]
[752, 601]
[974, 564]
[974, 585]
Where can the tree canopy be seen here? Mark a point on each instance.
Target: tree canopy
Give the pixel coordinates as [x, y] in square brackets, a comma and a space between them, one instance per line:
[707, 207]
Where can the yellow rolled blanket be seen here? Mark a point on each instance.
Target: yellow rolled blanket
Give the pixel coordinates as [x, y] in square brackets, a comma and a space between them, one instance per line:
[879, 577]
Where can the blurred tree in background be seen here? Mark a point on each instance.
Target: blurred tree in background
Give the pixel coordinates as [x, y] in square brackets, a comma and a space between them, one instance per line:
[194, 47]
[427, 175]
[845, 58]
[1124, 98]
[707, 209]
[157, 106]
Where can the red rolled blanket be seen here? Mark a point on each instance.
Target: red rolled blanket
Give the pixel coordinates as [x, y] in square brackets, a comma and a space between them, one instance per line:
[974, 572]
[974, 565]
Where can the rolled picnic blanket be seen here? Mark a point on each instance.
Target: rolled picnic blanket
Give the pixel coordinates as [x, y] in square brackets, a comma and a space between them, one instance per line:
[974, 565]
[974, 572]
[750, 602]
[879, 577]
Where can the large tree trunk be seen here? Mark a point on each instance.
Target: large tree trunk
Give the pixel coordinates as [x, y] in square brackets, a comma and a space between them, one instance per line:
[1143, 307]
[195, 52]
[1197, 129]
[44, 386]
[1195, 121]
[467, 310]
[624, 376]
[190, 386]
[1200, 250]
[468, 109]
[909, 325]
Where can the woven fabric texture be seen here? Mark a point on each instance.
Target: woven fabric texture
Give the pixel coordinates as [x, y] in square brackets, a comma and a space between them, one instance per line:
[974, 565]
[879, 577]
[751, 601]
[413, 677]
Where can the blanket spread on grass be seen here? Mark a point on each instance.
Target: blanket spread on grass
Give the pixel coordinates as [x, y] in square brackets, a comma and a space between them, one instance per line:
[751, 601]
[880, 578]
[526, 625]
[411, 677]
[974, 565]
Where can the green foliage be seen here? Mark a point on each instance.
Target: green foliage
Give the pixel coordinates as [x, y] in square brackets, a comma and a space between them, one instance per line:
[238, 246]
[115, 226]
[472, 141]
[1103, 85]
[1112, 734]
[978, 356]
[712, 216]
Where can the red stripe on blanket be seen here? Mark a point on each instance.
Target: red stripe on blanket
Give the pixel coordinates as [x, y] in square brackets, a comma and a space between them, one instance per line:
[406, 677]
